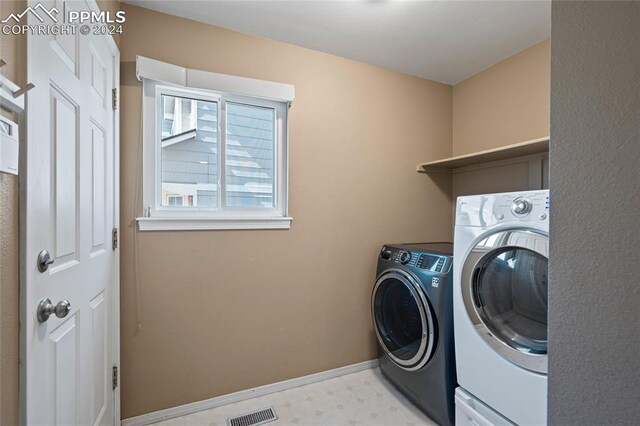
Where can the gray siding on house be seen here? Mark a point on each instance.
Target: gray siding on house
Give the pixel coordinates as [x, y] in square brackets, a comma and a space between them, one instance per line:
[250, 169]
[191, 161]
[250, 151]
[207, 198]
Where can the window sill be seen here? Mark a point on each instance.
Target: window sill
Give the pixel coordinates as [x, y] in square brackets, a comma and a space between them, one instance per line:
[206, 224]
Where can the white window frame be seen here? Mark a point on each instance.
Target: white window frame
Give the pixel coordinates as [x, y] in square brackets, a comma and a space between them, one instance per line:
[166, 79]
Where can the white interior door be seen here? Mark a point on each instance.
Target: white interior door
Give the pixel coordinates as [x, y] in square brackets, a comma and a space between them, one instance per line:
[69, 194]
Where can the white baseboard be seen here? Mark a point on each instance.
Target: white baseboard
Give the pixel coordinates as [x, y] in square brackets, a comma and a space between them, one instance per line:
[207, 404]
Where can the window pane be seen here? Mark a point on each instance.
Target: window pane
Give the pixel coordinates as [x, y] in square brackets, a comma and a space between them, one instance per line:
[189, 153]
[250, 164]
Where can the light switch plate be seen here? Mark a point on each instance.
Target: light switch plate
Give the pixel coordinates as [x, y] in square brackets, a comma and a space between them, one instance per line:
[9, 146]
[7, 100]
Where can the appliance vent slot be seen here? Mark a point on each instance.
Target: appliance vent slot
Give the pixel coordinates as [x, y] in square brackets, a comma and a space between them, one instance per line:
[256, 418]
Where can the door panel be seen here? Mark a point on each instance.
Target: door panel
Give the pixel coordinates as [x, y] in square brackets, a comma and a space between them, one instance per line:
[99, 183]
[65, 368]
[65, 47]
[65, 142]
[98, 74]
[70, 209]
[98, 358]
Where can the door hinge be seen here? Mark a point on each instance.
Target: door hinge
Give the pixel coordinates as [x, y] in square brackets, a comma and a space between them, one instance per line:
[114, 238]
[114, 380]
[114, 98]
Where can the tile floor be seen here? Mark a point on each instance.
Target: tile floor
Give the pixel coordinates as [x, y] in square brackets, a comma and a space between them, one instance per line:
[362, 398]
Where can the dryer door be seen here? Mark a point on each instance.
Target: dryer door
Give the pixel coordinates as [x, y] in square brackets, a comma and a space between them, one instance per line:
[403, 319]
[504, 286]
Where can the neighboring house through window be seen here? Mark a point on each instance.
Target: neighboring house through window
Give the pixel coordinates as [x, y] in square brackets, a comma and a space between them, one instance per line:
[213, 159]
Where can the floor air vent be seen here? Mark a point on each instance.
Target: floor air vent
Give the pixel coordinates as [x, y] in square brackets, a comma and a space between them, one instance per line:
[252, 419]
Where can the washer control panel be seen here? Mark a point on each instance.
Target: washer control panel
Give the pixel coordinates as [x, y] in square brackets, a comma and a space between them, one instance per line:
[431, 262]
[427, 262]
[405, 257]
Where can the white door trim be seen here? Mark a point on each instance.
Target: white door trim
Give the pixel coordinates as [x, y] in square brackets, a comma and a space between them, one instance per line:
[116, 218]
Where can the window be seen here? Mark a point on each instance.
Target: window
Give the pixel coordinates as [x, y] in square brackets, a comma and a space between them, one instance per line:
[188, 151]
[213, 159]
[175, 200]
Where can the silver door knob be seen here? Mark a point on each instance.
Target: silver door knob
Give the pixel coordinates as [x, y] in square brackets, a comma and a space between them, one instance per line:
[44, 260]
[46, 308]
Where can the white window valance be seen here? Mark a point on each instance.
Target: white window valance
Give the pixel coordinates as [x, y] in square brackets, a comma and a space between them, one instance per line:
[147, 68]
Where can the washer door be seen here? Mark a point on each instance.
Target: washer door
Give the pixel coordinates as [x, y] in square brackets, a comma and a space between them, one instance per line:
[403, 320]
[504, 286]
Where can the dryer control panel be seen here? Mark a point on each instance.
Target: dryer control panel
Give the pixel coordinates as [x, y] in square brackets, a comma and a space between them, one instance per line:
[492, 209]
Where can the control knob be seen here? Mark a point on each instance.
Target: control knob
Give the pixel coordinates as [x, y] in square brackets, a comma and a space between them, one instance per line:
[521, 206]
[405, 257]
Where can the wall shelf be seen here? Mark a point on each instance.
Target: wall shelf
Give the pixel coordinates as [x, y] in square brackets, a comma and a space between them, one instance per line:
[447, 165]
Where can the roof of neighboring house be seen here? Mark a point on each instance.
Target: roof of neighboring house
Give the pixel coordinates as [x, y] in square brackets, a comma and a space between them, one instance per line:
[180, 137]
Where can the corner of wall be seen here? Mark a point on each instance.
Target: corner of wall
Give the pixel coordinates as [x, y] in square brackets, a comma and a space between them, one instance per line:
[506, 103]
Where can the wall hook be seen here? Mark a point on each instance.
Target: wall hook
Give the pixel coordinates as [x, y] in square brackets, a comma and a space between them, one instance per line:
[24, 90]
[2, 63]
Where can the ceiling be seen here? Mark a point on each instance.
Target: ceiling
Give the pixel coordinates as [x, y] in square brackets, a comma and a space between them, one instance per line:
[445, 41]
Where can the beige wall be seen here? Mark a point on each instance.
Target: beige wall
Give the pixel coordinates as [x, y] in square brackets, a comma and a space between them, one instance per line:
[12, 50]
[223, 311]
[111, 6]
[504, 104]
[502, 178]
[9, 293]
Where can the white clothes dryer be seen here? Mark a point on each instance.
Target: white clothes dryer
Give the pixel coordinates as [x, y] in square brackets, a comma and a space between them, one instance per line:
[501, 251]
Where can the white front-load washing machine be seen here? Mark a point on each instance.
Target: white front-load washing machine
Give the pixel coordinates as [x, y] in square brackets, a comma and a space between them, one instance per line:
[500, 276]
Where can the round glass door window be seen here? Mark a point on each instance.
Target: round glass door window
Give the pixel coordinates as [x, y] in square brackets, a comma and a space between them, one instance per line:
[510, 296]
[401, 320]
